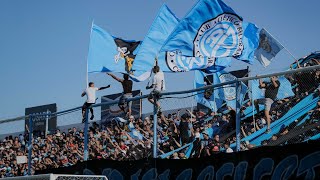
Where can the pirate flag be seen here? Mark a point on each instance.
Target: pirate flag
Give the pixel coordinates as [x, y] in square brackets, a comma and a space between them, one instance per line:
[110, 54]
[126, 51]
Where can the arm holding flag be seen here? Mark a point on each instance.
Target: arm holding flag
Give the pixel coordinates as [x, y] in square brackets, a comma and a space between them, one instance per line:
[115, 77]
[261, 84]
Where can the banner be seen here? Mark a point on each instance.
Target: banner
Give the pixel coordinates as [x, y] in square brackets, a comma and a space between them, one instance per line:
[108, 112]
[40, 115]
[296, 161]
[212, 29]
[268, 48]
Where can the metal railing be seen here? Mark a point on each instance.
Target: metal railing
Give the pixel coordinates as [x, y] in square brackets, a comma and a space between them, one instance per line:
[236, 82]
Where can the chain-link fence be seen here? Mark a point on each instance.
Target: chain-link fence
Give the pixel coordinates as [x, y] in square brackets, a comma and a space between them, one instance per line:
[235, 118]
[282, 109]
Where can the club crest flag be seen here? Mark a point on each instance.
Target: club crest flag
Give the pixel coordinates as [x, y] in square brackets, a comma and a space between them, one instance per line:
[110, 54]
[268, 48]
[215, 98]
[211, 30]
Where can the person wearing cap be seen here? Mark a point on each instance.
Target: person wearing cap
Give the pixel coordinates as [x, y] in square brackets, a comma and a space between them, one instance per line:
[126, 93]
[91, 99]
[158, 85]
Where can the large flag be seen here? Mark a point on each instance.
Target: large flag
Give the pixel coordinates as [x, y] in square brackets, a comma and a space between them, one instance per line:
[212, 29]
[268, 48]
[285, 89]
[110, 54]
[215, 98]
[160, 29]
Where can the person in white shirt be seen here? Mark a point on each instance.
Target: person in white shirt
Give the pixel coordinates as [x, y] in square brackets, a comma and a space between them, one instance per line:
[158, 85]
[91, 99]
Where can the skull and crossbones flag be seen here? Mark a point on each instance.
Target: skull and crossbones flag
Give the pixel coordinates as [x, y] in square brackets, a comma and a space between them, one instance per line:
[110, 54]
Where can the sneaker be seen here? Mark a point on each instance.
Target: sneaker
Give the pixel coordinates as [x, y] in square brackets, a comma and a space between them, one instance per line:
[268, 131]
[92, 116]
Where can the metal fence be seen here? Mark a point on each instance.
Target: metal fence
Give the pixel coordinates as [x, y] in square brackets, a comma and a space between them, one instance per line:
[184, 133]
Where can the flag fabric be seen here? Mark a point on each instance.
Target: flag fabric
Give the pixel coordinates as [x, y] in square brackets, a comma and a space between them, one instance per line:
[176, 62]
[212, 29]
[214, 99]
[160, 29]
[110, 54]
[206, 98]
[268, 48]
[285, 89]
[230, 91]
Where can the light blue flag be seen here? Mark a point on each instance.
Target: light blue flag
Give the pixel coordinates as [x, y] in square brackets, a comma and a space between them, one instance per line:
[230, 90]
[220, 95]
[176, 62]
[268, 48]
[208, 98]
[110, 54]
[213, 29]
[160, 29]
[285, 89]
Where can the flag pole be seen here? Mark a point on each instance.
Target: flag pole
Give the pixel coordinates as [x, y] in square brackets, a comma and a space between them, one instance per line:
[284, 47]
[87, 73]
[251, 99]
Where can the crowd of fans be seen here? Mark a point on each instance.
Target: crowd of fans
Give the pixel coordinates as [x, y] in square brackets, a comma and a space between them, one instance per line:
[132, 139]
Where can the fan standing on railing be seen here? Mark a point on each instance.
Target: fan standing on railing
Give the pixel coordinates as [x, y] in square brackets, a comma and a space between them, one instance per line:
[91, 99]
[127, 93]
[158, 85]
[271, 91]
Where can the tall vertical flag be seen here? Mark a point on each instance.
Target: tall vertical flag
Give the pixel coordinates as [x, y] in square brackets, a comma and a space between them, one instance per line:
[211, 30]
[160, 29]
[110, 54]
[268, 48]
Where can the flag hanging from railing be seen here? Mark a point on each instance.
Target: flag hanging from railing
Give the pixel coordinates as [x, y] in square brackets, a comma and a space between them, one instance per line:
[214, 98]
[268, 48]
[210, 30]
[110, 54]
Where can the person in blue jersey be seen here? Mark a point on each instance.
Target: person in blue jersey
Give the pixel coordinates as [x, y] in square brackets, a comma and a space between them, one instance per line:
[126, 94]
[271, 91]
[91, 99]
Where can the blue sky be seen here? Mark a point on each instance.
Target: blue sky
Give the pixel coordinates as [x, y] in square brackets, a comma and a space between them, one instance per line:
[44, 44]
